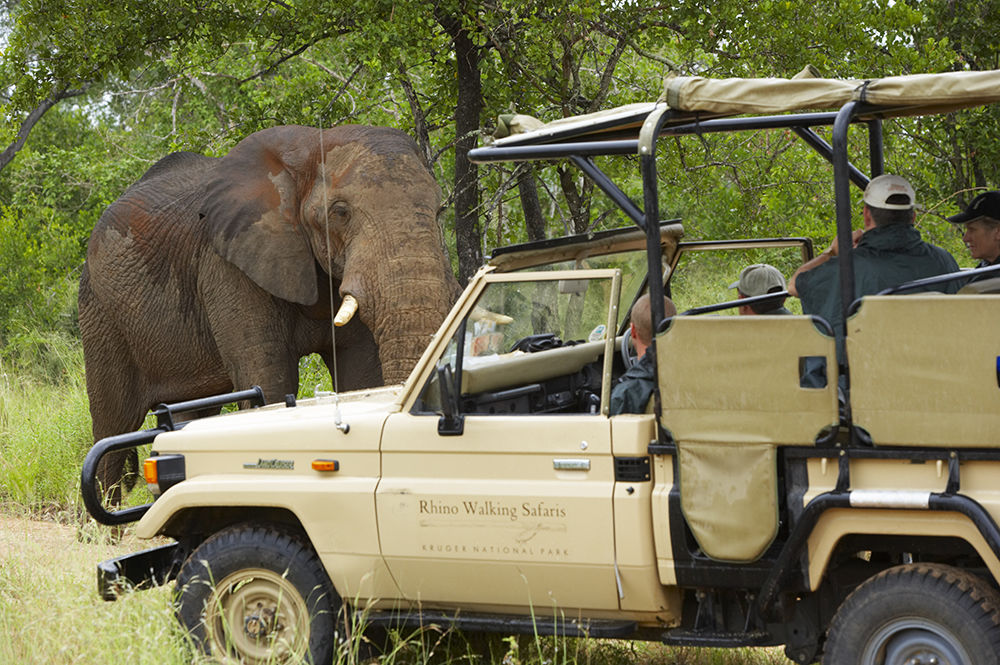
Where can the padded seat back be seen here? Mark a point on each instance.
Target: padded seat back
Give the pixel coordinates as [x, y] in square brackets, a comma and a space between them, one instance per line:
[732, 392]
[924, 369]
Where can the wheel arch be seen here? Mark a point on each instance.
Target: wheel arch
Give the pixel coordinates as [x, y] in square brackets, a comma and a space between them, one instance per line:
[337, 517]
[197, 523]
[839, 524]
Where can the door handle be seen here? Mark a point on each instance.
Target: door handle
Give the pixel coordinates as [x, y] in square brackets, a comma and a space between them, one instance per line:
[571, 464]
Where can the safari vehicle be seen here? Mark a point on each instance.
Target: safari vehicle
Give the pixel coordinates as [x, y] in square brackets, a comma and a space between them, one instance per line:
[493, 491]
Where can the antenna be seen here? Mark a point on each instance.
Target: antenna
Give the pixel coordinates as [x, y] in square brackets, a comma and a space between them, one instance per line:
[342, 426]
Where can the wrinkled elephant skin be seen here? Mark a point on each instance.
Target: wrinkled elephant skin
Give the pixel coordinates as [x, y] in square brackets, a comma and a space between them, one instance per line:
[211, 274]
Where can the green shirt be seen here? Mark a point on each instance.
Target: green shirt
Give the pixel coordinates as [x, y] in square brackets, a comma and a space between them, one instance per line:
[886, 256]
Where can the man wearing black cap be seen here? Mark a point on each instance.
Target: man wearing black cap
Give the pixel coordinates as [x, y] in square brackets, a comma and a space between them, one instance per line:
[981, 234]
[888, 252]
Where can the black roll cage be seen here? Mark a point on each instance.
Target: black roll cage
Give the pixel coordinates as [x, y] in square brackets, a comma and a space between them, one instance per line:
[663, 121]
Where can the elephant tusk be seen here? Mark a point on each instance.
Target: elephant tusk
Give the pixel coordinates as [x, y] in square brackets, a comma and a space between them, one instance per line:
[348, 307]
[482, 314]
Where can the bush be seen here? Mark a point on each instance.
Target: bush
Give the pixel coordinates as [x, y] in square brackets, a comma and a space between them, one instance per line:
[40, 260]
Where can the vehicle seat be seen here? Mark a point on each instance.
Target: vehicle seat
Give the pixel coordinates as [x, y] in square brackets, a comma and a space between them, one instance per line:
[732, 392]
[924, 369]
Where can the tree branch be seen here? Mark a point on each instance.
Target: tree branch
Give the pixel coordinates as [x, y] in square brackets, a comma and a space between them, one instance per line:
[32, 119]
[419, 116]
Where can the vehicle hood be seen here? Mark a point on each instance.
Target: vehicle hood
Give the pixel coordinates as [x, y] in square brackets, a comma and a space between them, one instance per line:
[311, 423]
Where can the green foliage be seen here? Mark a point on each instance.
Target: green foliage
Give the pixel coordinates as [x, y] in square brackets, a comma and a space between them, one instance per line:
[36, 252]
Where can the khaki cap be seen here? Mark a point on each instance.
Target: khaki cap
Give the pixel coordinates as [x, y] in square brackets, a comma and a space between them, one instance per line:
[758, 279]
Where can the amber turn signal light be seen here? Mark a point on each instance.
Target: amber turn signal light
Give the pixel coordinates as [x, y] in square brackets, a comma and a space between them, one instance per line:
[149, 471]
[163, 472]
[325, 465]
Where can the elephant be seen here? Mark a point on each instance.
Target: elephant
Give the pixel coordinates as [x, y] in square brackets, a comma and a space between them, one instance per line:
[214, 274]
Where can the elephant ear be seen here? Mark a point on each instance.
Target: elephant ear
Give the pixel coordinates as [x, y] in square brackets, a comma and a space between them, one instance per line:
[250, 210]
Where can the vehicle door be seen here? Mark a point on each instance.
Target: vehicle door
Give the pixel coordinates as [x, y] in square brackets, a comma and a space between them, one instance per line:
[497, 476]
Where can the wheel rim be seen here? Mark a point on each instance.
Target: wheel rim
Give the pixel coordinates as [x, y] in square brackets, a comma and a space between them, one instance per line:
[256, 616]
[914, 641]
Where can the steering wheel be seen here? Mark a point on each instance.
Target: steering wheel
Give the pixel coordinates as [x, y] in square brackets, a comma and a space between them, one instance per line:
[537, 342]
[627, 351]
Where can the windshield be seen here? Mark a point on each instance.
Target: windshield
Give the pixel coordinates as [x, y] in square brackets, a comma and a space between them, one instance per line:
[631, 263]
[567, 310]
[521, 314]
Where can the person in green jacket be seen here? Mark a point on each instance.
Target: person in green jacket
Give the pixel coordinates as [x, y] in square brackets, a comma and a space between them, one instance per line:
[887, 252]
[635, 387]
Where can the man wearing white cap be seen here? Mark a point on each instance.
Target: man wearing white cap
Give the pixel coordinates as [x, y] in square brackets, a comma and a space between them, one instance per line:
[757, 280]
[888, 251]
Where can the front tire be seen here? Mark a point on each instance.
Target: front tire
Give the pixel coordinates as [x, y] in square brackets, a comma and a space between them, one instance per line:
[917, 614]
[258, 594]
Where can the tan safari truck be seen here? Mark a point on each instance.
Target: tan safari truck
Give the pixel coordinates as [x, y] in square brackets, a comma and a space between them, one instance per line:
[771, 495]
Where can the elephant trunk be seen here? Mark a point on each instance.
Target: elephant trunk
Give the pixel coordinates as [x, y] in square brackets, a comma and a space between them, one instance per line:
[405, 310]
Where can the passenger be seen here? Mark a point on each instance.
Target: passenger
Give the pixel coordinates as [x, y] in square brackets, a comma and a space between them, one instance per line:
[982, 230]
[635, 386]
[888, 252]
[757, 280]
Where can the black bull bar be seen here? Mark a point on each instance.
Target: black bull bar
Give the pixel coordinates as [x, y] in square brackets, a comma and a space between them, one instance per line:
[90, 489]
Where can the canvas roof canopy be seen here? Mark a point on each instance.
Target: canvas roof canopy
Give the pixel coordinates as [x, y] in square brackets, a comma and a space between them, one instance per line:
[693, 98]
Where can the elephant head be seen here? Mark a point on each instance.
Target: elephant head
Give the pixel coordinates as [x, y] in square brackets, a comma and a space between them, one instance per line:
[357, 200]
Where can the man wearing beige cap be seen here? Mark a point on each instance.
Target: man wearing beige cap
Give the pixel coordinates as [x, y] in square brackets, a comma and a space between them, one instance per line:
[757, 280]
[888, 251]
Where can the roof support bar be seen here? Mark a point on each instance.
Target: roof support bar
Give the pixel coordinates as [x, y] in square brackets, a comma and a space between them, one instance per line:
[825, 150]
[842, 196]
[607, 186]
[516, 153]
[647, 167]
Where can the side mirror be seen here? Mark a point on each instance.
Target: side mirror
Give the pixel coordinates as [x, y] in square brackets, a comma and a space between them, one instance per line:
[451, 422]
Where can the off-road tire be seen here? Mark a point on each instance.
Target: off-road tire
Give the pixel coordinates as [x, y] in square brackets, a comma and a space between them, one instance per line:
[917, 614]
[248, 593]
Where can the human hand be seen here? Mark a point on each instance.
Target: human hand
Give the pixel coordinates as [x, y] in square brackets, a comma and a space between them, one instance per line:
[855, 238]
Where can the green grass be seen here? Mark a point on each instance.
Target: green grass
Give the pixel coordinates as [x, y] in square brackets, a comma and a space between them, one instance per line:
[50, 611]
[44, 428]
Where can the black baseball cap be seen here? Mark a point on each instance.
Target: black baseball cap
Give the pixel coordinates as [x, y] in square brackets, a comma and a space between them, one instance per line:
[986, 204]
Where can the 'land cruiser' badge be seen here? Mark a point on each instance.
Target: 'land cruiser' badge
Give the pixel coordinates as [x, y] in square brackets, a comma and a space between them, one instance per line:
[271, 465]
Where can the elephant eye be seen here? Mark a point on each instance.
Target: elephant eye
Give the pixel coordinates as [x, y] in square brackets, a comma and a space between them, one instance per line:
[340, 211]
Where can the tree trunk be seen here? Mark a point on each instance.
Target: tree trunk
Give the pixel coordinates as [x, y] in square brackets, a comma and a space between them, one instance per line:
[468, 107]
[528, 189]
[577, 201]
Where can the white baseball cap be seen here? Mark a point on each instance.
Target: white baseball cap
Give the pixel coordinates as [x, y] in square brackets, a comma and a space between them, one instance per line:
[880, 189]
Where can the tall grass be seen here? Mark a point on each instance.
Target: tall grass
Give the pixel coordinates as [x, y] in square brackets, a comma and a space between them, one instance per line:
[44, 422]
[50, 612]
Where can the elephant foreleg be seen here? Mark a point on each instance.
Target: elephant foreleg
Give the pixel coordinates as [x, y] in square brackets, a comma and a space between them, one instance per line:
[112, 389]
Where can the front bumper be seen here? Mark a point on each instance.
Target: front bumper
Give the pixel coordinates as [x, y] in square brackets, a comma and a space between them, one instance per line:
[140, 570]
